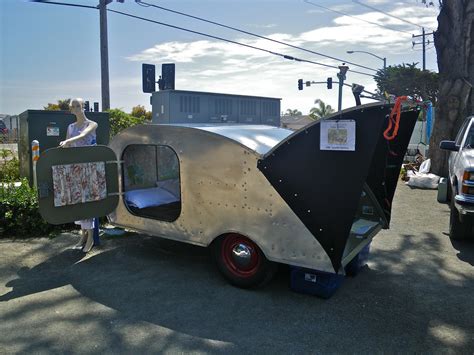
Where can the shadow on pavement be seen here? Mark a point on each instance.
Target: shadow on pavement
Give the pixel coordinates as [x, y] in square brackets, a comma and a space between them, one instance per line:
[175, 285]
[466, 250]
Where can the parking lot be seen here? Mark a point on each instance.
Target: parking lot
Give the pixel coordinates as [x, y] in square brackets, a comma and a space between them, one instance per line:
[142, 294]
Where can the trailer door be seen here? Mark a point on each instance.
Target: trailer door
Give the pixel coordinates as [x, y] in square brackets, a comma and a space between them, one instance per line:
[77, 183]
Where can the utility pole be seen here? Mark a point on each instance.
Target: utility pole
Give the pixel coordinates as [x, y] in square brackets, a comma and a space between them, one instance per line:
[423, 43]
[341, 76]
[104, 55]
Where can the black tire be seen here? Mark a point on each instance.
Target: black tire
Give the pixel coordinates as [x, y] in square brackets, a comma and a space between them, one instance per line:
[253, 269]
[459, 229]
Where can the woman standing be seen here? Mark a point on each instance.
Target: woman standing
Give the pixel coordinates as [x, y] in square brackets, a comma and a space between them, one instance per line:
[79, 134]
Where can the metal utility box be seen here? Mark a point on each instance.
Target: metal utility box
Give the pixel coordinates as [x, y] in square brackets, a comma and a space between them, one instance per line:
[178, 106]
[49, 128]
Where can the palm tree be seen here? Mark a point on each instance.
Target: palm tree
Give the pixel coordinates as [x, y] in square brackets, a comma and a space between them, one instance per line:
[294, 112]
[322, 110]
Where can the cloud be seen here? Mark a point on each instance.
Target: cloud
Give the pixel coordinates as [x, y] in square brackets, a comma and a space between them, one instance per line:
[216, 66]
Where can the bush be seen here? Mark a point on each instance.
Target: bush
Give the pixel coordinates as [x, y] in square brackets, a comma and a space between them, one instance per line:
[9, 166]
[119, 120]
[19, 216]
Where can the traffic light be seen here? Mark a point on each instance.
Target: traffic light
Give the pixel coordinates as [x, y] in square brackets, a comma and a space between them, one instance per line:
[329, 81]
[168, 74]
[96, 107]
[86, 106]
[148, 78]
[300, 84]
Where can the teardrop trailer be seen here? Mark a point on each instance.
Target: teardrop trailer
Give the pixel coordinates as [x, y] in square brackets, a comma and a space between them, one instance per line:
[256, 195]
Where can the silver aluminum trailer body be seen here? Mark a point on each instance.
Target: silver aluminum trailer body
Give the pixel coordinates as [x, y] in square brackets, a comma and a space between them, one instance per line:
[222, 191]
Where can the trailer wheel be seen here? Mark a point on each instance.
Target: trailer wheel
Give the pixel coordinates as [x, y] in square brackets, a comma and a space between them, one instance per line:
[241, 261]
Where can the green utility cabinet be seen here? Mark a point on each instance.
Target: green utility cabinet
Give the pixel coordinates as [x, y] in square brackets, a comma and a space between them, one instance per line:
[49, 128]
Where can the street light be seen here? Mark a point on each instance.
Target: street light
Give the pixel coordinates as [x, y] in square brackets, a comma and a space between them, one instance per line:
[373, 55]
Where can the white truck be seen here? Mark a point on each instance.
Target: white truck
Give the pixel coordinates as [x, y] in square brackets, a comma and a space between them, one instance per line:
[460, 181]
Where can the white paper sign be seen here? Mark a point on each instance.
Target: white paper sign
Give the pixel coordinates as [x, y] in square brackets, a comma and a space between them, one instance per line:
[52, 131]
[338, 135]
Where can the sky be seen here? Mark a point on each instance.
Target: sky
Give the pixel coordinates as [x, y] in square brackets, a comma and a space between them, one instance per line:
[51, 52]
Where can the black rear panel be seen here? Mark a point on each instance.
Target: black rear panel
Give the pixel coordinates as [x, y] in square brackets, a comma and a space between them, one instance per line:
[323, 187]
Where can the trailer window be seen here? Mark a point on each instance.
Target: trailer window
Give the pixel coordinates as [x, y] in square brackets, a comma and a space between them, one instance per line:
[151, 181]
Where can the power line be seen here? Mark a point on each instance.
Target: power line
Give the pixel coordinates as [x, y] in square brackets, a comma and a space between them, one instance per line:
[231, 41]
[250, 33]
[63, 4]
[207, 35]
[357, 18]
[386, 13]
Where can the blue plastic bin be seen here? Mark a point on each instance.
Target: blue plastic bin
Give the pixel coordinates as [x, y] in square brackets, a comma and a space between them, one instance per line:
[359, 261]
[314, 282]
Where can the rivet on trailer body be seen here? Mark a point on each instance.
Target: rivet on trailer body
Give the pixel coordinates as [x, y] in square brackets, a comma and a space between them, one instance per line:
[279, 180]
[320, 229]
[309, 211]
[296, 195]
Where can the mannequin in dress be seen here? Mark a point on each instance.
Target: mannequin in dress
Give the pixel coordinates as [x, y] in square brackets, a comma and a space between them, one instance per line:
[79, 134]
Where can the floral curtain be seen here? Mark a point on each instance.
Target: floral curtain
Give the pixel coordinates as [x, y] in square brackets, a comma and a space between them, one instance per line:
[79, 183]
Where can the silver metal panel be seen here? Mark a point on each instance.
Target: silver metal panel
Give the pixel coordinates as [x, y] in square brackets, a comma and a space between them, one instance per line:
[223, 191]
[260, 138]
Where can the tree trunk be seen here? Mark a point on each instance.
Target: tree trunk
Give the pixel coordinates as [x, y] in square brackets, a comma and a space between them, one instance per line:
[454, 41]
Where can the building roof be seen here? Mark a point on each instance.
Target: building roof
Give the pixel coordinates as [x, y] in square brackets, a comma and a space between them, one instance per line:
[299, 120]
[214, 93]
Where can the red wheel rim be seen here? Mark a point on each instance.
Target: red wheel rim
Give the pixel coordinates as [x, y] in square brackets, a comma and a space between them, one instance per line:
[240, 255]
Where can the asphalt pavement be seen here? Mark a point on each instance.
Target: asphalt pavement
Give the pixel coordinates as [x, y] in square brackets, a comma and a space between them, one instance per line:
[141, 294]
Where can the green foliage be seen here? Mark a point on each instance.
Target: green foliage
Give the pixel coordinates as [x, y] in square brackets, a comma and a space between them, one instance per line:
[9, 166]
[19, 216]
[61, 105]
[322, 110]
[140, 112]
[119, 120]
[406, 79]
[294, 112]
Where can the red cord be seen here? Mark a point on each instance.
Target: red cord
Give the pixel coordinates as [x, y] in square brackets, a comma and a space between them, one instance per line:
[394, 119]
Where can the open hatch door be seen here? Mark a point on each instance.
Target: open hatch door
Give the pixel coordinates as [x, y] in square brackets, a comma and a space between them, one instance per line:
[324, 186]
[77, 183]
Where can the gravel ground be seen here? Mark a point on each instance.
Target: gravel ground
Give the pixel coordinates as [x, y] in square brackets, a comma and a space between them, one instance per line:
[140, 294]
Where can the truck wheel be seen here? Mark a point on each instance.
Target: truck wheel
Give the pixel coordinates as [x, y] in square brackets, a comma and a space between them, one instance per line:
[458, 230]
[241, 261]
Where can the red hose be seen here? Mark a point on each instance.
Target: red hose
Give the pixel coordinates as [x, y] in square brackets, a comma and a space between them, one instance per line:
[394, 119]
